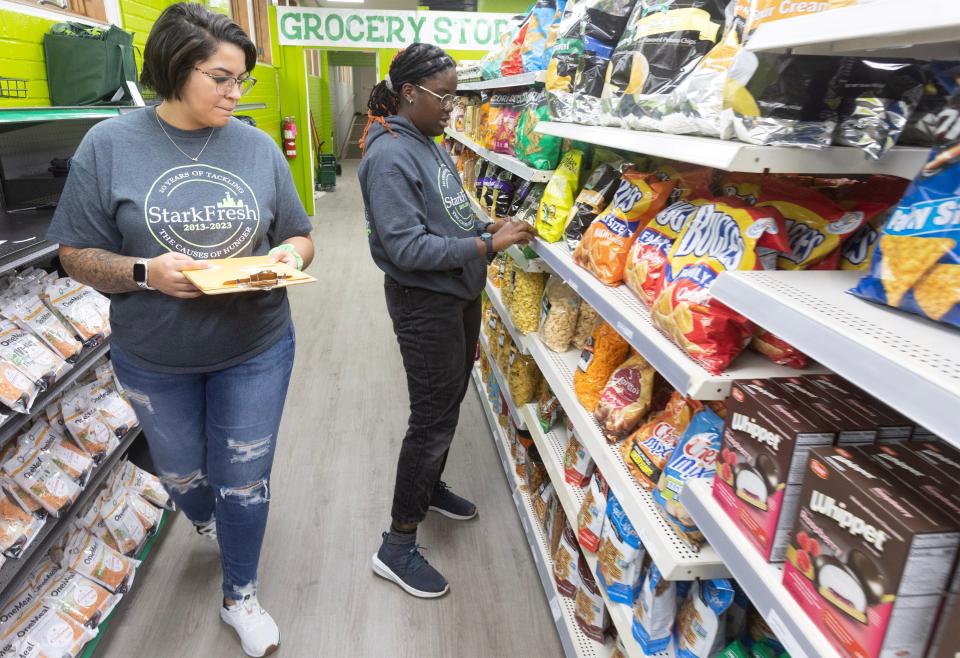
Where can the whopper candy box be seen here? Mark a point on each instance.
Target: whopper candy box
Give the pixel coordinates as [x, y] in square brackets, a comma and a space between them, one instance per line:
[867, 565]
[762, 458]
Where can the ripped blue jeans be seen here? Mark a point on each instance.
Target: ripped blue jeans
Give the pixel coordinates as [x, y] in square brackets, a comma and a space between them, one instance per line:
[212, 438]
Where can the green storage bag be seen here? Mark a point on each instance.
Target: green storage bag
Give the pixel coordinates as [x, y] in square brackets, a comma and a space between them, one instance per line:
[89, 65]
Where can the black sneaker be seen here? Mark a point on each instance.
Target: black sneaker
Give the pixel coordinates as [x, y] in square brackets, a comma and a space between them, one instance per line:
[451, 505]
[404, 565]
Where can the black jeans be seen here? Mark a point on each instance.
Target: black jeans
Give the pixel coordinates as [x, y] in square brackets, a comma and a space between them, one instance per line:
[438, 335]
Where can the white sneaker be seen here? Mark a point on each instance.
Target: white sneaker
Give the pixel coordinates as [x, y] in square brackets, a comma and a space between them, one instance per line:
[259, 635]
[208, 531]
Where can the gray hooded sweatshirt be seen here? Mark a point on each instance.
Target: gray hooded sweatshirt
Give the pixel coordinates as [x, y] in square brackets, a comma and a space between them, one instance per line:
[420, 224]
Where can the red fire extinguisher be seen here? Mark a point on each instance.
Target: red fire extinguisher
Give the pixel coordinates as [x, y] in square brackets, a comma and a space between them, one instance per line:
[289, 137]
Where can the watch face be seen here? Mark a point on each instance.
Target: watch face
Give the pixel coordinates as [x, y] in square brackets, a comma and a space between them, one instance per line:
[139, 272]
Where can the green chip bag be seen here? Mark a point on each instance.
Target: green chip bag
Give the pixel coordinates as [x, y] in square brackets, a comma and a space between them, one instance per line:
[558, 197]
[533, 148]
[734, 650]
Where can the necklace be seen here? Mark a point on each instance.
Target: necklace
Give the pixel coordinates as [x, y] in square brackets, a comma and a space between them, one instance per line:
[189, 157]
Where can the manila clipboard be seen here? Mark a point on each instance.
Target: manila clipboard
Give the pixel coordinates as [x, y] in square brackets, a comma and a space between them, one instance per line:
[230, 275]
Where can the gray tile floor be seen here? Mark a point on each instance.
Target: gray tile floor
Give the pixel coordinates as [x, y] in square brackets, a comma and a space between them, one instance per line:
[332, 485]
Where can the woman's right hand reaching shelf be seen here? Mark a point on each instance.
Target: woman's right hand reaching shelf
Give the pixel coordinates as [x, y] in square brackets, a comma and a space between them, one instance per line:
[511, 233]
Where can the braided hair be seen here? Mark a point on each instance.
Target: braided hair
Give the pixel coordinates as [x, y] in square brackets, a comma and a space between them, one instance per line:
[413, 65]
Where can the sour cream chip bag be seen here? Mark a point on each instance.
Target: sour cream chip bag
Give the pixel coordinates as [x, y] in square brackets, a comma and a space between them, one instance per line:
[720, 237]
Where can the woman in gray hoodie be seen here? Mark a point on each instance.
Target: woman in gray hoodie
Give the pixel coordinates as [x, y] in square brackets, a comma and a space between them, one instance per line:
[426, 238]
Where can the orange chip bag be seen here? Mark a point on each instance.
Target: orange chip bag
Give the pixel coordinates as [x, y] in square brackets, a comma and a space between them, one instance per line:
[81, 598]
[648, 449]
[647, 259]
[89, 556]
[606, 243]
[719, 237]
[817, 226]
[605, 350]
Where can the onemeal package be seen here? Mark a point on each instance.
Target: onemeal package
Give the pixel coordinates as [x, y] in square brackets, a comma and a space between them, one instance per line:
[916, 266]
[17, 391]
[83, 421]
[84, 309]
[31, 313]
[82, 599]
[90, 557]
[41, 479]
[606, 243]
[721, 236]
[46, 630]
[34, 359]
[18, 528]
[558, 197]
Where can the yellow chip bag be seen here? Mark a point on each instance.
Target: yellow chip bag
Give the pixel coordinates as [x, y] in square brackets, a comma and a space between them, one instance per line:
[558, 197]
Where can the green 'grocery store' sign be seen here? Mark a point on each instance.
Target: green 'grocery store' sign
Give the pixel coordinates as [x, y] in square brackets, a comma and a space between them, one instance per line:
[458, 30]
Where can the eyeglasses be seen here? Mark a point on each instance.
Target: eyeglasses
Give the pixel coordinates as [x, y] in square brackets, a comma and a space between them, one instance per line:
[226, 83]
[446, 101]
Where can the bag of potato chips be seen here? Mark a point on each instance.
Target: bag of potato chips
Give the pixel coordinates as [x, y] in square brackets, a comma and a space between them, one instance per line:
[606, 244]
[719, 237]
[558, 197]
[648, 256]
[916, 265]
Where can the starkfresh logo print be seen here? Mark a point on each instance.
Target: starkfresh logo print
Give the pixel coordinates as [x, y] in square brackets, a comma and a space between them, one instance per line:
[202, 211]
[455, 199]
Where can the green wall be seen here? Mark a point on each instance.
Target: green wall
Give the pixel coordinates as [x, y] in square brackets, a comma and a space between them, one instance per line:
[503, 6]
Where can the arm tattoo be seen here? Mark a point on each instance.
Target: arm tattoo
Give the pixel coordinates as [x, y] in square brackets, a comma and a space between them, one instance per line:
[100, 269]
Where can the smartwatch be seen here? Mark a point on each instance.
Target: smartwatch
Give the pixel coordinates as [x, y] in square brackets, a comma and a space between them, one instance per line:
[487, 228]
[140, 271]
[488, 240]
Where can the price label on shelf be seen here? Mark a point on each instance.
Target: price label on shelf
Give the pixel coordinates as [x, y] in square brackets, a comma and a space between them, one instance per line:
[784, 635]
[555, 608]
[624, 330]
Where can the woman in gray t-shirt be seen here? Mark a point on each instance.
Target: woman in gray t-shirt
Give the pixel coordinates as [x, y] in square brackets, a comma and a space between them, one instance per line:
[159, 191]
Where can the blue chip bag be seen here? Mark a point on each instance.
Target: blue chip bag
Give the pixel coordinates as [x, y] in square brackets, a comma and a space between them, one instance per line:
[699, 631]
[916, 264]
[654, 612]
[620, 555]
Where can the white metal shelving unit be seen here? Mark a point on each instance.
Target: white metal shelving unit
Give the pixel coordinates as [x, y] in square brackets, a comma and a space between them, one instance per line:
[627, 314]
[502, 382]
[873, 29]
[496, 299]
[759, 579]
[673, 557]
[909, 362]
[575, 643]
[732, 155]
[520, 80]
[514, 251]
[507, 162]
[551, 447]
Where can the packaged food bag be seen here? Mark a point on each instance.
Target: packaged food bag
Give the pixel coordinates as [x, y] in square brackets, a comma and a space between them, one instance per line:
[604, 352]
[536, 45]
[34, 359]
[620, 556]
[578, 466]
[45, 630]
[587, 322]
[17, 390]
[90, 557]
[18, 528]
[777, 349]
[940, 82]
[35, 316]
[510, 106]
[123, 523]
[700, 632]
[523, 377]
[593, 199]
[83, 600]
[83, 422]
[86, 310]
[559, 315]
[695, 456]
[527, 300]
[654, 612]
[647, 450]
[558, 197]
[590, 612]
[877, 98]
[606, 243]
[592, 513]
[606, 20]
[148, 514]
[916, 266]
[626, 398]
[44, 481]
[647, 259]
[65, 454]
[549, 411]
[718, 237]
[565, 561]
[588, 87]
[565, 61]
[115, 411]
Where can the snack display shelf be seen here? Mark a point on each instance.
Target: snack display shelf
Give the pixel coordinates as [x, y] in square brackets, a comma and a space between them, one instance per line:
[575, 643]
[13, 571]
[520, 80]
[909, 362]
[903, 161]
[37, 114]
[30, 253]
[759, 579]
[880, 28]
[90, 648]
[627, 314]
[673, 557]
[502, 382]
[507, 162]
[497, 300]
[514, 251]
[88, 357]
[551, 446]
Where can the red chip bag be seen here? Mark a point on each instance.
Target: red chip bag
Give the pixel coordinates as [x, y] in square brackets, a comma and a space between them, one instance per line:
[720, 236]
[648, 256]
[777, 349]
[691, 182]
[605, 245]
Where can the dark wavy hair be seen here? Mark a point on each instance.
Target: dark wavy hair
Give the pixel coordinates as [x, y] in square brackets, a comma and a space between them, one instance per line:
[413, 65]
[184, 35]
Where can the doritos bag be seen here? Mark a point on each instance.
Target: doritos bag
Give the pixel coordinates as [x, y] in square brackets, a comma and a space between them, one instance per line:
[916, 266]
[719, 237]
[647, 259]
[535, 53]
[605, 245]
[558, 197]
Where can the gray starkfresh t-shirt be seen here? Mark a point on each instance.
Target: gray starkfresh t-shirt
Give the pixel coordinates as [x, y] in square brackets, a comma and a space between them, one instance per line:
[131, 192]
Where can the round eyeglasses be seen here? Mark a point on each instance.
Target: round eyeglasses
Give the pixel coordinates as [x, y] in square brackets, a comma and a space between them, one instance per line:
[446, 101]
[226, 83]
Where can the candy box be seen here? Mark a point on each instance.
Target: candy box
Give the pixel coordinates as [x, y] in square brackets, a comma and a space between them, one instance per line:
[867, 565]
[891, 424]
[766, 438]
[852, 427]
